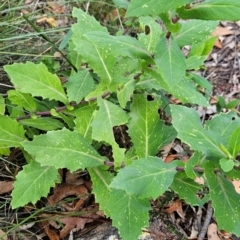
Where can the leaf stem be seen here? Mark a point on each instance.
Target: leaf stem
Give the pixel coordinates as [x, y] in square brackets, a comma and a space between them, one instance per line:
[60, 109]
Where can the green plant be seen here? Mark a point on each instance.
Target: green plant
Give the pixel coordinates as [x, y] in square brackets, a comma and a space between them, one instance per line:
[122, 80]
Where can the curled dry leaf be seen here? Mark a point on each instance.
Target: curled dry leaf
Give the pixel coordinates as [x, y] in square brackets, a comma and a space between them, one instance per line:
[51, 233]
[176, 207]
[6, 187]
[69, 190]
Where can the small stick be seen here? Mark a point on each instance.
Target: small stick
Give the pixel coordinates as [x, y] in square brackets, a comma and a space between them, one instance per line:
[206, 222]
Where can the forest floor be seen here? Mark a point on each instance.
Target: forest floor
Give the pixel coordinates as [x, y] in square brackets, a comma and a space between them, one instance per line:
[171, 218]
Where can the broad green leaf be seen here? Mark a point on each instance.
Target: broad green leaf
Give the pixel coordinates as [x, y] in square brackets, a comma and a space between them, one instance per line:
[183, 90]
[84, 117]
[121, 3]
[226, 164]
[38, 81]
[151, 38]
[187, 189]
[170, 61]
[79, 85]
[129, 213]
[232, 104]
[201, 81]
[124, 94]
[2, 105]
[190, 130]
[145, 127]
[11, 132]
[202, 48]
[154, 175]
[187, 93]
[118, 45]
[35, 182]
[108, 116]
[234, 143]
[100, 60]
[195, 62]
[138, 8]
[212, 10]
[224, 124]
[225, 200]
[43, 123]
[74, 56]
[118, 205]
[194, 31]
[63, 149]
[24, 100]
[85, 23]
[101, 180]
[170, 26]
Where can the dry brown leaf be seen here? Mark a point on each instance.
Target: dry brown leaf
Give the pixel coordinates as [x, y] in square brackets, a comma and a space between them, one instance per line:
[51, 233]
[75, 223]
[170, 158]
[6, 187]
[55, 7]
[68, 190]
[236, 184]
[212, 232]
[218, 44]
[221, 31]
[50, 21]
[176, 207]
[165, 150]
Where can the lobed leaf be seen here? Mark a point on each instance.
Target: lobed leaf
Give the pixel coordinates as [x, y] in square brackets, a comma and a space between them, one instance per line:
[24, 100]
[11, 132]
[194, 31]
[32, 183]
[224, 124]
[146, 130]
[187, 189]
[108, 116]
[154, 175]
[63, 149]
[79, 85]
[225, 200]
[38, 81]
[101, 180]
[190, 130]
[83, 120]
[118, 45]
[129, 213]
[150, 38]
